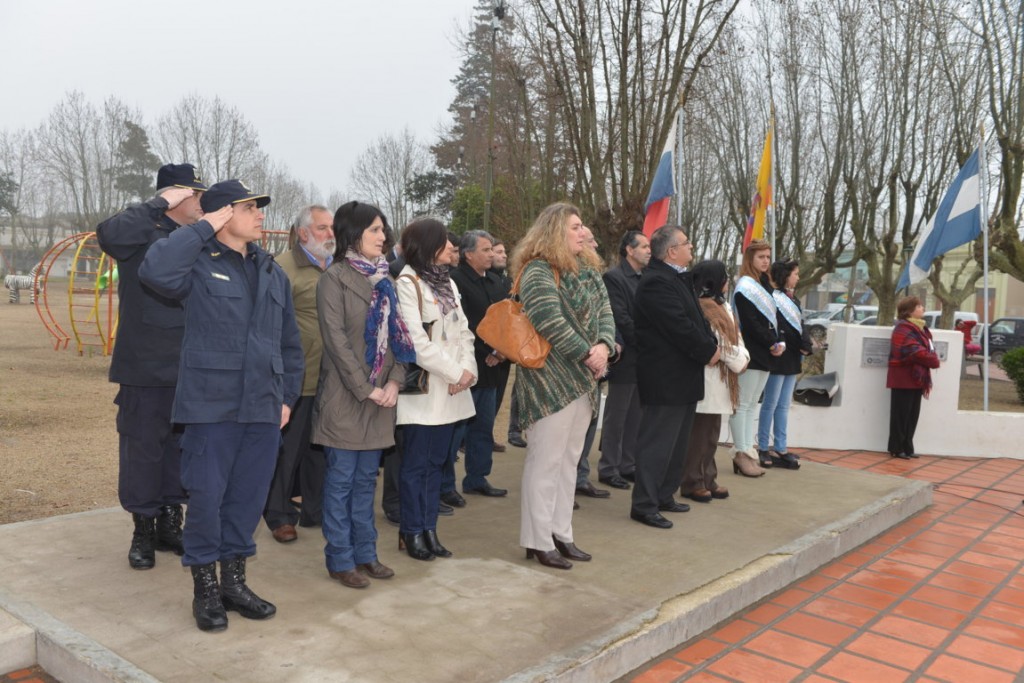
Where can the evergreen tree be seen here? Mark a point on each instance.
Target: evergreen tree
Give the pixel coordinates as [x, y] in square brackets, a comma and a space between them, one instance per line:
[137, 163]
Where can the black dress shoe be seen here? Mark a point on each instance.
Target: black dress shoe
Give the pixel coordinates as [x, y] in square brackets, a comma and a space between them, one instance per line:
[913, 455]
[785, 461]
[570, 551]
[445, 510]
[516, 441]
[652, 519]
[415, 545]
[393, 518]
[674, 507]
[453, 498]
[587, 489]
[549, 558]
[434, 545]
[486, 490]
[629, 476]
[901, 456]
[615, 481]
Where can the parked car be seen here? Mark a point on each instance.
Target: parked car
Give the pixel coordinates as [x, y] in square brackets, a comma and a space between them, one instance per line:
[1005, 334]
[817, 328]
[931, 318]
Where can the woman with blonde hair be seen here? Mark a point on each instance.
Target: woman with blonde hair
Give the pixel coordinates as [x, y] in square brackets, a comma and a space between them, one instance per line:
[560, 286]
[757, 316]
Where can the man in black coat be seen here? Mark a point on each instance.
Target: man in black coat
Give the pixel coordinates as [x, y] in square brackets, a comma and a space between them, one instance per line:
[145, 364]
[622, 410]
[674, 343]
[479, 289]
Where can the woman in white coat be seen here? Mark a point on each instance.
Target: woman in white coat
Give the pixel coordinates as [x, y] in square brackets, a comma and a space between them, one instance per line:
[721, 386]
[427, 295]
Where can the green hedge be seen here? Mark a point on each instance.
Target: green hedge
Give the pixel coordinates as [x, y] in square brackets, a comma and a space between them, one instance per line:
[1012, 364]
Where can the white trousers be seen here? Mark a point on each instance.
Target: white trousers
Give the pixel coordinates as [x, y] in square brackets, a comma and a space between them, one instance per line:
[741, 424]
[553, 446]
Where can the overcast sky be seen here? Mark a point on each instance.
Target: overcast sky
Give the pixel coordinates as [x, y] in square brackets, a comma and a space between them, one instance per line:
[319, 80]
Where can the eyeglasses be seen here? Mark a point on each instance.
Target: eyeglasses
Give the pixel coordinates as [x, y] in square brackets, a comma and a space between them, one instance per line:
[684, 243]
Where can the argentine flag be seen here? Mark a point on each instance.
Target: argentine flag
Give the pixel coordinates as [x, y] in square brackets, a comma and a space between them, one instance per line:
[958, 221]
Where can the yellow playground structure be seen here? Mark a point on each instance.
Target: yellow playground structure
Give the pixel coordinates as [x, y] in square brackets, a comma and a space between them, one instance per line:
[91, 319]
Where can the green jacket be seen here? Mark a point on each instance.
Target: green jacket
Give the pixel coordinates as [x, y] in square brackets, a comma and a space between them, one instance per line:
[574, 316]
[304, 275]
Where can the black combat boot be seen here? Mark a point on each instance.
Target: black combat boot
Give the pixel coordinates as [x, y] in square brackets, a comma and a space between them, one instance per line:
[141, 555]
[168, 530]
[206, 603]
[237, 596]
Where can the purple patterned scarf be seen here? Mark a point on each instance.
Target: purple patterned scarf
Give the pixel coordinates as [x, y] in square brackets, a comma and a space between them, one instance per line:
[440, 281]
[384, 323]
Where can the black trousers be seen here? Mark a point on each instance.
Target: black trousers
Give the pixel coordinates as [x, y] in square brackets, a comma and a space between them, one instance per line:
[390, 498]
[904, 409]
[661, 455]
[149, 475]
[298, 460]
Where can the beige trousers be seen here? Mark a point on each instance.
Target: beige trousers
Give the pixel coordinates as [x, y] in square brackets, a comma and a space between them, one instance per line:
[549, 475]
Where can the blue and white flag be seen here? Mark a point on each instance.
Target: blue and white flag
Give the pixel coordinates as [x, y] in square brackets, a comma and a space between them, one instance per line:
[958, 221]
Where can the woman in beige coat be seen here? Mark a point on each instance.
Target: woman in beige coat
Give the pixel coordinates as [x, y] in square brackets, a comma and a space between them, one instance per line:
[427, 295]
[721, 387]
[354, 413]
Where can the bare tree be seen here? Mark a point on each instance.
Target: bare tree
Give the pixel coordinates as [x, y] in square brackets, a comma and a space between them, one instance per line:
[383, 172]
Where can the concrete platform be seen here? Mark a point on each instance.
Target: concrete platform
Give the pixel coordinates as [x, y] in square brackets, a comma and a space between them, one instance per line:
[485, 615]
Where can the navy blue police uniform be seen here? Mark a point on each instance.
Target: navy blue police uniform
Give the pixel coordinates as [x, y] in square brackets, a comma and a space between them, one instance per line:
[145, 363]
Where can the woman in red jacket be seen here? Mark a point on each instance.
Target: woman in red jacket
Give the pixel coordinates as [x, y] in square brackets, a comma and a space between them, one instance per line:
[911, 357]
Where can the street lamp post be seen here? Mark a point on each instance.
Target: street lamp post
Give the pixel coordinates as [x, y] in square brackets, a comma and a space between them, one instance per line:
[499, 14]
[908, 252]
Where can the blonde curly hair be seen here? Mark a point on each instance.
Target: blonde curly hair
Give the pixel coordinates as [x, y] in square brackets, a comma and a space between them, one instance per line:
[547, 240]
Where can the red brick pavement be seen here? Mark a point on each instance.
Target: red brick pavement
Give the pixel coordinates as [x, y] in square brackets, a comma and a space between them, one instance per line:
[940, 597]
[31, 675]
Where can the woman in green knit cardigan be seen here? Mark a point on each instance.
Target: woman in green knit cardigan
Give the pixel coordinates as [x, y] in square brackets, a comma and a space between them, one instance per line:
[564, 297]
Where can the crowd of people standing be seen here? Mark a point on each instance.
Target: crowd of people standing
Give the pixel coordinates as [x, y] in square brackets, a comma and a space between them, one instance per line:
[246, 381]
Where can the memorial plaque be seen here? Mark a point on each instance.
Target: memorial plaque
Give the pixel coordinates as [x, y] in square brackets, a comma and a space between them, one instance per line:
[875, 352]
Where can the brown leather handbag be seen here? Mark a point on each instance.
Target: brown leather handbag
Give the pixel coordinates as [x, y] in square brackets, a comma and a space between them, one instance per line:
[417, 380]
[507, 330]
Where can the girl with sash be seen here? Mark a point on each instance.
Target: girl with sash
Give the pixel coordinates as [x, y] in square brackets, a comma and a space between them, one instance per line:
[757, 315]
[778, 391]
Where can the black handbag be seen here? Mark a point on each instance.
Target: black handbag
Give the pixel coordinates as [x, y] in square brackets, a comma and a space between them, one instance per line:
[417, 380]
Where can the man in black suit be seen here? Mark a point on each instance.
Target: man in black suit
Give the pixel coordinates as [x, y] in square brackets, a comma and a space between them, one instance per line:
[674, 343]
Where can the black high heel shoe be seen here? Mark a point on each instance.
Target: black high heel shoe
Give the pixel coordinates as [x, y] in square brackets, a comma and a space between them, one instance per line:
[570, 551]
[434, 545]
[415, 545]
[549, 558]
[764, 459]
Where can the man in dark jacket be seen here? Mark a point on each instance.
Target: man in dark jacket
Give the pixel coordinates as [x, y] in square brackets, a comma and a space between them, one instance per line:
[674, 343]
[240, 375]
[309, 257]
[479, 289]
[622, 408]
[145, 365]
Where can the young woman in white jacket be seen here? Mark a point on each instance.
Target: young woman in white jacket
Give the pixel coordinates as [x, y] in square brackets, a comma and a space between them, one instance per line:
[721, 388]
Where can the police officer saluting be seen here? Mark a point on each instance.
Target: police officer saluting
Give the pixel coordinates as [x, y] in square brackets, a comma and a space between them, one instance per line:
[145, 364]
[240, 374]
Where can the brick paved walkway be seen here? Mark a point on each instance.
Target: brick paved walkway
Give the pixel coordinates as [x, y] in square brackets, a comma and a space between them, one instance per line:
[939, 597]
[31, 675]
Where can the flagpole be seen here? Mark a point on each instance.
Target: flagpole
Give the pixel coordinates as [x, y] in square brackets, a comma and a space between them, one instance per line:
[771, 183]
[679, 165]
[983, 219]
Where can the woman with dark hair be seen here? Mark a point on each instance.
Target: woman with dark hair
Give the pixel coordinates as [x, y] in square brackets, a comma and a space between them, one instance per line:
[427, 295]
[354, 414]
[911, 358]
[563, 296]
[757, 316]
[721, 388]
[778, 390]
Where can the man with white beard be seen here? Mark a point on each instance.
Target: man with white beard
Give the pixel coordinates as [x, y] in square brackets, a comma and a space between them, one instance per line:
[311, 254]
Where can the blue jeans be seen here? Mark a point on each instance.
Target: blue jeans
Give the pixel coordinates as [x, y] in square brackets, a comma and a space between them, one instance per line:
[480, 438]
[419, 479]
[348, 508]
[778, 395]
[448, 468]
[742, 422]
